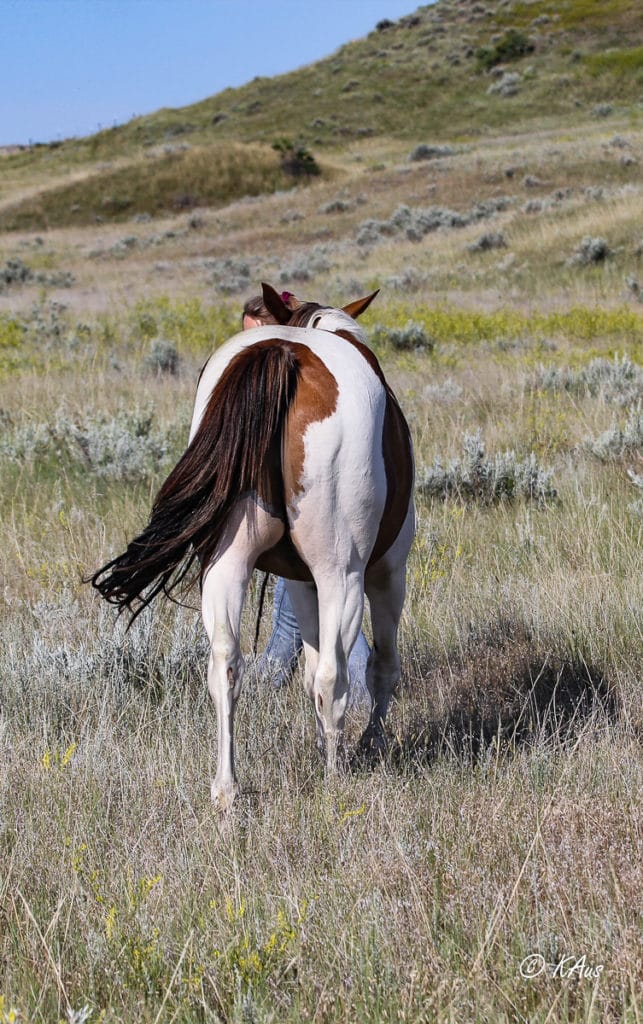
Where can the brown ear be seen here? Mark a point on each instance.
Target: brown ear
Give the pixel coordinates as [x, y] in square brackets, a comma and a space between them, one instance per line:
[358, 306]
[275, 304]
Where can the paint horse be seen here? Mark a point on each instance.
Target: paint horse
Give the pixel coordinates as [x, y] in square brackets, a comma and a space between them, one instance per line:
[299, 463]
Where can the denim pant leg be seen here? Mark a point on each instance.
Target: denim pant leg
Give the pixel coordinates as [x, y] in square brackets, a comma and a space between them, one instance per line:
[279, 659]
[357, 670]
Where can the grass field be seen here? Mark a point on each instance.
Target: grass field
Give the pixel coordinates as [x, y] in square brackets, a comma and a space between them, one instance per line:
[502, 830]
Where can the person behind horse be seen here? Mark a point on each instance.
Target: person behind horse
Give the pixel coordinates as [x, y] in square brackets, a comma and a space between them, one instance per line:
[279, 660]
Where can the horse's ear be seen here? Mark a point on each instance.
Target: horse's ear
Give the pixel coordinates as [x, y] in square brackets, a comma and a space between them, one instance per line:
[359, 305]
[275, 304]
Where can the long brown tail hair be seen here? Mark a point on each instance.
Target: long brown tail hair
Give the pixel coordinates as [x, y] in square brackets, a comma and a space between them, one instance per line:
[230, 455]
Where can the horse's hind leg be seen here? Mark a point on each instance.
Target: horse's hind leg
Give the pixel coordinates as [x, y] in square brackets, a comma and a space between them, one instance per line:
[304, 601]
[385, 594]
[385, 585]
[341, 606]
[224, 589]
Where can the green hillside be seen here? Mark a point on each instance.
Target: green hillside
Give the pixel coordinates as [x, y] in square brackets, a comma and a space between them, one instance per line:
[157, 184]
[454, 70]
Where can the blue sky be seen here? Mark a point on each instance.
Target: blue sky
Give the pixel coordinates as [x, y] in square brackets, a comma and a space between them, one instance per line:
[70, 66]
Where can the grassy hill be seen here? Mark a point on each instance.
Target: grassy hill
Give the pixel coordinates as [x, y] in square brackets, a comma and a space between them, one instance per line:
[158, 183]
[455, 70]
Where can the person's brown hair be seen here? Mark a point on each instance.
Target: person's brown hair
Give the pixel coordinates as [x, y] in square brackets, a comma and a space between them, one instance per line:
[257, 309]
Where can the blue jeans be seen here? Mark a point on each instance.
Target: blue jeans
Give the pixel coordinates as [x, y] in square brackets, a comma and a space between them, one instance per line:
[279, 660]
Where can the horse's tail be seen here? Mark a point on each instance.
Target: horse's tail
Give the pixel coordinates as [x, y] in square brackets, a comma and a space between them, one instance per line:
[237, 442]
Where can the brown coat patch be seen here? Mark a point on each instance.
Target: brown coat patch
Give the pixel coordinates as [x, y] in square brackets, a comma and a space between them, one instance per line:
[315, 400]
[398, 463]
[284, 560]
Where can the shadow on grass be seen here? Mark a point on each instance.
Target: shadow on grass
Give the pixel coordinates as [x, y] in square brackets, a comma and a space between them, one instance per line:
[503, 692]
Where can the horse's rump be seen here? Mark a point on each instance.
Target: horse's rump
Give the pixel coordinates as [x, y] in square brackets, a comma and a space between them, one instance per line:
[251, 438]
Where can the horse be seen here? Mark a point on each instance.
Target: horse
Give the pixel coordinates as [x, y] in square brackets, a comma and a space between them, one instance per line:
[299, 463]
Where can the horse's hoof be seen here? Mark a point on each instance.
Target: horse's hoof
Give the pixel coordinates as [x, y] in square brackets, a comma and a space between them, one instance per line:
[373, 744]
[223, 797]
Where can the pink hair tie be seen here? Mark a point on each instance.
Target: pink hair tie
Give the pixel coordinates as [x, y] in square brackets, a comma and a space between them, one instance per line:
[285, 296]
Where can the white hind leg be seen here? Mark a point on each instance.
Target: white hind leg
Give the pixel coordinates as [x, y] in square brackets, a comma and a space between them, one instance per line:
[341, 606]
[250, 531]
[304, 598]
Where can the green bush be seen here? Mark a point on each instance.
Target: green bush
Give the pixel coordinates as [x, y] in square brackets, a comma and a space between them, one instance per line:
[296, 159]
[512, 46]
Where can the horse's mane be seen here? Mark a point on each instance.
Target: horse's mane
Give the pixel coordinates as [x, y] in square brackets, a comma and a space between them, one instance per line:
[311, 314]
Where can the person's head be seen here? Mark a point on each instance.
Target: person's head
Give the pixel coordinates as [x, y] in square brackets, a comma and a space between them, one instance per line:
[256, 314]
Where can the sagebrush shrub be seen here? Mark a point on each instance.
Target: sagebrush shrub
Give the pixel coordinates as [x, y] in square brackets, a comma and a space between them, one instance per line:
[416, 222]
[445, 393]
[426, 152]
[619, 380]
[306, 266]
[122, 447]
[409, 280]
[617, 441]
[230, 276]
[66, 656]
[410, 338]
[338, 205]
[589, 250]
[163, 356]
[475, 476]
[15, 271]
[508, 85]
[490, 240]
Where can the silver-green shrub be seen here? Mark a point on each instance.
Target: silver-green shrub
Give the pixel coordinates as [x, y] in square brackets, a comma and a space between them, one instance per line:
[64, 653]
[618, 380]
[230, 276]
[122, 447]
[16, 271]
[338, 205]
[475, 476]
[427, 152]
[306, 266]
[490, 240]
[163, 356]
[410, 338]
[445, 393]
[416, 222]
[618, 441]
[408, 280]
[589, 250]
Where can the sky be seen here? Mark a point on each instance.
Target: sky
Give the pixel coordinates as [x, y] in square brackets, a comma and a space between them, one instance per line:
[70, 67]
